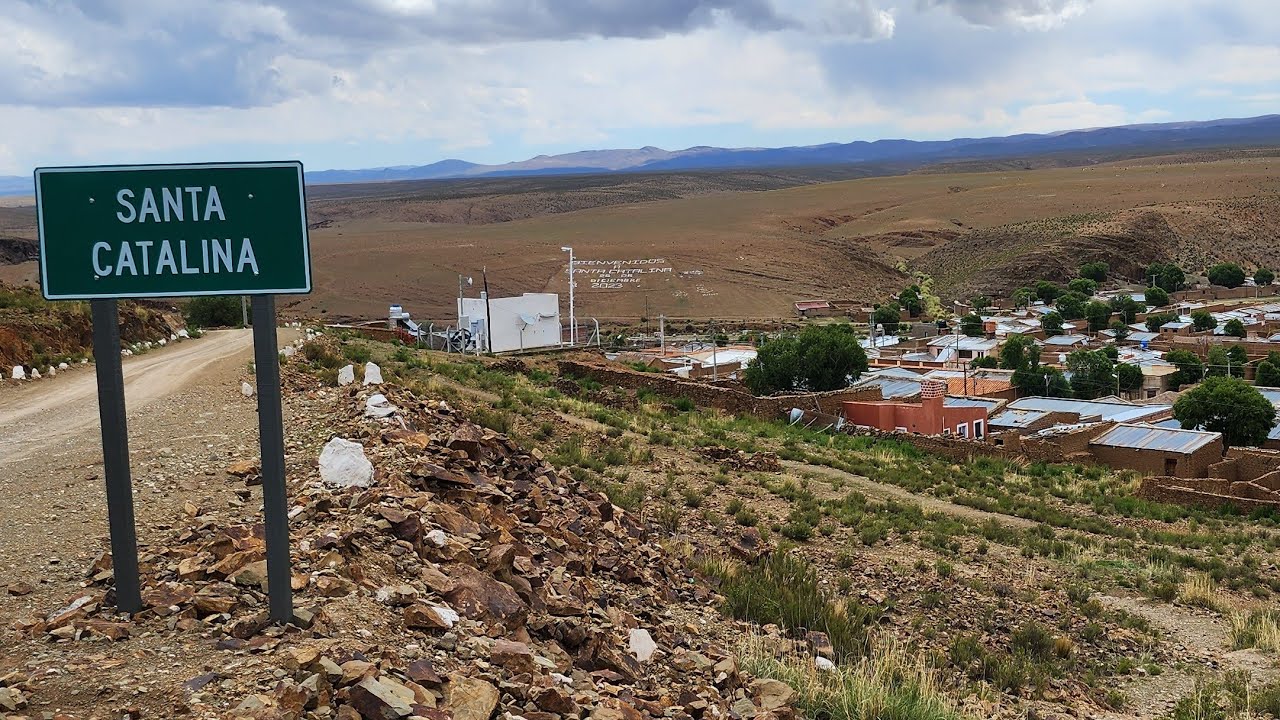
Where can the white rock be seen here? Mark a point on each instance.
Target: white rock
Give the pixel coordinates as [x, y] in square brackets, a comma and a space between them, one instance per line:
[372, 374]
[343, 464]
[183, 333]
[51, 372]
[288, 351]
[162, 342]
[84, 361]
[35, 374]
[438, 538]
[246, 389]
[562, 679]
[446, 615]
[63, 366]
[823, 664]
[19, 372]
[346, 375]
[147, 344]
[642, 644]
[377, 406]
[126, 352]
[173, 336]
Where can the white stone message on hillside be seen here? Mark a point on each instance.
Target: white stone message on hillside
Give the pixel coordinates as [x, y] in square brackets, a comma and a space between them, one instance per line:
[620, 274]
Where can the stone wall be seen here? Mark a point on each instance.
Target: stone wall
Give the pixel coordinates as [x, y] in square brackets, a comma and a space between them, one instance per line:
[1154, 462]
[1249, 463]
[729, 399]
[1201, 493]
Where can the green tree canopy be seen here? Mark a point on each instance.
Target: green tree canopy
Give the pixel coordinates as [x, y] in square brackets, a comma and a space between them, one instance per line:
[1203, 320]
[1070, 305]
[1190, 369]
[1268, 374]
[986, 361]
[971, 325]
[1235, 328]
[1052, 323]
[1041, 380]
[820, 358]
[1157, 297]
[1239, 358]
[888, 316]
[1047, 291]
[1166, 276]
[1229, 406]
[1095, 271]
[1217, 361]
[980, 303]
[1127, 307]
[1129, 376]
[1084, 286]
[1263, 277]
[1019, 352]
[1120, 330]
[1226, 274]
[1092, 374]
[1099, 315]
[909, 300]
[1022, 297]
[1155, 321]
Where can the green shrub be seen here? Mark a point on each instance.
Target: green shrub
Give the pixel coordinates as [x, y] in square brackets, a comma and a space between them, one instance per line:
[358, 354]
[213, 311]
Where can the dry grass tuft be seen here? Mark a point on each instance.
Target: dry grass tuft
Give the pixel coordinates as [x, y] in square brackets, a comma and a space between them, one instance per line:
[1200, 590]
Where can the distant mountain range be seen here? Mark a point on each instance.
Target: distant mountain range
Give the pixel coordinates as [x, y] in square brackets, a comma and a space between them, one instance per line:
[1148, 138]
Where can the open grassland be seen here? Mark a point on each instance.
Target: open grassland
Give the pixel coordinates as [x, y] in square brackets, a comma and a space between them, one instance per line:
[746, 245]
[986, 587]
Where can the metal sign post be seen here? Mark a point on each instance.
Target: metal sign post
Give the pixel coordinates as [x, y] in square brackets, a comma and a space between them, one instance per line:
[178, 231]
[115, 454]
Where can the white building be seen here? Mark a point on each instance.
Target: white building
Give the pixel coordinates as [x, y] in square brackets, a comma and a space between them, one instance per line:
[531, 320]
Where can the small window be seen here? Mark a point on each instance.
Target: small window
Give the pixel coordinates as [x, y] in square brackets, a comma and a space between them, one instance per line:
[978, 429]
[962, 430]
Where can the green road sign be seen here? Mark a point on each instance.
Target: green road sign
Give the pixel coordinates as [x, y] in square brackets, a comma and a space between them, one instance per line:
[128, 231]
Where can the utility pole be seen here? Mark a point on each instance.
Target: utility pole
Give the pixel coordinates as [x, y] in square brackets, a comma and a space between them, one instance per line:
[244, 311]
[715, 364]
[573, 321]
[662, 333]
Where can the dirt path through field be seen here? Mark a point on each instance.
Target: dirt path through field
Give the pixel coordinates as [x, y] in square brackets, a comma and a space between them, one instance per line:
[1201, 639]
[882, 491]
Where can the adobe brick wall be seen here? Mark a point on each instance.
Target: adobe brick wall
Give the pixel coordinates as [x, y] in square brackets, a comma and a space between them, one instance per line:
[729, 399]
[1152, 462]
[1251, 463]
[1187, 492]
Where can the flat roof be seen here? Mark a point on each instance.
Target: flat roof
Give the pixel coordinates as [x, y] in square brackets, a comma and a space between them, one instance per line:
[1111, 411]
[1147, 437]
[1016, 418]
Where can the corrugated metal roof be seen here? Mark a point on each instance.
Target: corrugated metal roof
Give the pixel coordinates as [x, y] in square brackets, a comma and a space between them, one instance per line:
[891, 388]
[952, 401]
[1066, 340]
[1112, 411]
[1015, 418]
[1145, 437]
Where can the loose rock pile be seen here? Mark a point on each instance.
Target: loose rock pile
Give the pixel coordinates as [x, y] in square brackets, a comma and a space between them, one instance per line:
[470, 577]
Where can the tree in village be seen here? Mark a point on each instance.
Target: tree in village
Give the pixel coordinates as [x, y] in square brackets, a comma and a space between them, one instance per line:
[1203, 320]
[1120, 330]
[887, 316]
[910, 301]
[1126, 307]
[1229, 406]
[821, 357]
[1235, 328]
[1095, 271]
[1018, 352]
[1047, 291]
[1022, 297]
[1051, 323]
[1190, 369]
[1154, 322]
[1267, 375]
[1084, 286]
[1228, 275]
[1157, 297]
[1092, 374]
[980, 303]
[971, 325]
[986, 361]
[1070, 305]
[1218, 363]
[1129, 377]
[1041, 380]
[1098, 314]
[1239, 357]
[1166, 276]
[1263, 277]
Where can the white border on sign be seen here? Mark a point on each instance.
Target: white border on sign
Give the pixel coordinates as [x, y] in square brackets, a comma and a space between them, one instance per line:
[302, 198]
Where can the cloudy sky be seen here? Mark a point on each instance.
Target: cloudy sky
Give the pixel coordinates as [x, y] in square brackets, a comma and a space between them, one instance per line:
[366, 83]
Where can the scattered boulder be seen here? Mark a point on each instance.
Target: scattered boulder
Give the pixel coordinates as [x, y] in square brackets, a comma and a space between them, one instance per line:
[378, 406]
[343, 464]
[246, 389]
[642, 644]
[346, 375]
[372, 374]
[19, 372]
[471, 698]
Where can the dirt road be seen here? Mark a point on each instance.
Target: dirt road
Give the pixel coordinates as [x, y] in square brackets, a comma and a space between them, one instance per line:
[43, 414]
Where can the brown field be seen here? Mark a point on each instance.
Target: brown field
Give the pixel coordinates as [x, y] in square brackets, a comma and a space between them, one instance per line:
[736, 248]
